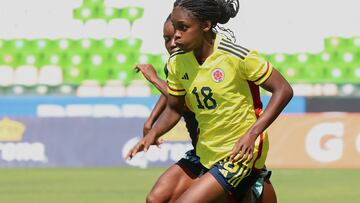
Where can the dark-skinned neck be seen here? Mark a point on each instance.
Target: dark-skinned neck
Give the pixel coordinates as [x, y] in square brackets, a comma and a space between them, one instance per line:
[206, 48]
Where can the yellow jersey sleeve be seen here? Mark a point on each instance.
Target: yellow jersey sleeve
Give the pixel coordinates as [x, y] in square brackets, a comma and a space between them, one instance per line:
[255, 68]
[174, 86]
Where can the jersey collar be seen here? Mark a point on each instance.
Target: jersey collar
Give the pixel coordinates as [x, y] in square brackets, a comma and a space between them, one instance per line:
[217, 41]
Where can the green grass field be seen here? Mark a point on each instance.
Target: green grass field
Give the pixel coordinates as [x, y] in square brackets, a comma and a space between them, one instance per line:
[127, 185]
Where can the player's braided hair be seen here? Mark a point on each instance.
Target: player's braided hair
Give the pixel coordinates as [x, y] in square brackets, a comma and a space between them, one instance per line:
[216, 11]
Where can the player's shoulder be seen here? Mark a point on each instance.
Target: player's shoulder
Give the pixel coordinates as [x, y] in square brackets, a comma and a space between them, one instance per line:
[234, 49]
[176, 54]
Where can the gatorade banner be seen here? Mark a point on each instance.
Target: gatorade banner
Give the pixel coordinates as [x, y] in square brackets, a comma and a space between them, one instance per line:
[326, 140]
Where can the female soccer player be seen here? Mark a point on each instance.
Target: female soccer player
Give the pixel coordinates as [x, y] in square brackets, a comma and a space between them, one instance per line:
[219, 81]
[180, 176]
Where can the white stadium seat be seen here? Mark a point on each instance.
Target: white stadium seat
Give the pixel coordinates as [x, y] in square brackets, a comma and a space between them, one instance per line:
[138, 88]
[26, 75]
[50, 75]
[89, 88]
[6, 76]
[113, 88]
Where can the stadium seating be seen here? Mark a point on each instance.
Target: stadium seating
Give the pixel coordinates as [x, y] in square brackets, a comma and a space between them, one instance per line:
[114, 59]
[103, 50]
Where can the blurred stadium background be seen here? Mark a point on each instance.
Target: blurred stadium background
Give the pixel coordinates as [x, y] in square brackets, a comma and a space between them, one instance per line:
[71, 104]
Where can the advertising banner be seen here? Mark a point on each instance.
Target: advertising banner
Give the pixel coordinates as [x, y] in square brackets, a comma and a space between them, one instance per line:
[78, 142]
[325, 140]
[296, 141]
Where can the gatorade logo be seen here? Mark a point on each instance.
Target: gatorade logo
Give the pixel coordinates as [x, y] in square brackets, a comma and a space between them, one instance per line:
[324, 142]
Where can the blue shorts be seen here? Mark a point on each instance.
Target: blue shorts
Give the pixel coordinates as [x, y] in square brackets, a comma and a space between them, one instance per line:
[233, 177]
[237, 179]
[191, 163]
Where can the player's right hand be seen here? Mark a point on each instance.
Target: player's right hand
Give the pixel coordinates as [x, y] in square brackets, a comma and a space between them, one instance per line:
[146, 130]
[142, 145]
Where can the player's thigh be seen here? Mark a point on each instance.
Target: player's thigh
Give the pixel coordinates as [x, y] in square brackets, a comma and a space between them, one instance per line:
[206, 189]
[173, 181]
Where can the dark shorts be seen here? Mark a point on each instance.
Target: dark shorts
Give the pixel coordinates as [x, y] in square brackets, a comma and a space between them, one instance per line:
[233, 178]
[238, 179]
[191, 163]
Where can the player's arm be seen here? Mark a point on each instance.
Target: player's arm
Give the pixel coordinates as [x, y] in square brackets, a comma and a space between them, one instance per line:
[150, 74]
[281, 95]
[167, 120]
[155, 113]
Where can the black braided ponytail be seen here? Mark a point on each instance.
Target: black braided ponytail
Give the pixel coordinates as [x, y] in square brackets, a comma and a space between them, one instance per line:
[228, 9]
[216, 11]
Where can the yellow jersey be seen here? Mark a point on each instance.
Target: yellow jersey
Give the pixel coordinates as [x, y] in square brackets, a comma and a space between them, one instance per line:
[223, 92]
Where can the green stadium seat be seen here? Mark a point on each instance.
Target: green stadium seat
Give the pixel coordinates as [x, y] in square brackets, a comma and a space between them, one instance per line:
[130, 44]
[337, 44]
[154, 59]
[12, 52]
[73, 75]
[335, 74]
[311, 66]
[97, 69]
[93, 3]
[85, 13]
[354, 74]
[108, 13]
[52, 59]
[7, 58]
[131, 13]
[288, 66]
[122, 66]
[157, 60]
[74, 66]
[77, 51]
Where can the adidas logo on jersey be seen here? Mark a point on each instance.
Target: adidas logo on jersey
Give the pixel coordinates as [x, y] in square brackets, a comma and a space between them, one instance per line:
[185, 77]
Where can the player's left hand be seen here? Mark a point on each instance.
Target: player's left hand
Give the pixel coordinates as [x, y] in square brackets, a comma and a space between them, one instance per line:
[243, 149]
[148, 71]
[143, 145]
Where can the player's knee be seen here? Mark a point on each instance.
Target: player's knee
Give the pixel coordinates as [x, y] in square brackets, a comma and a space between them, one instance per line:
[154, 197]
[150, 198]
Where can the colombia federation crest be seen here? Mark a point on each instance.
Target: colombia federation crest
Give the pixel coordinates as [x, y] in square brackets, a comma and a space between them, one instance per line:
[217, 75]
